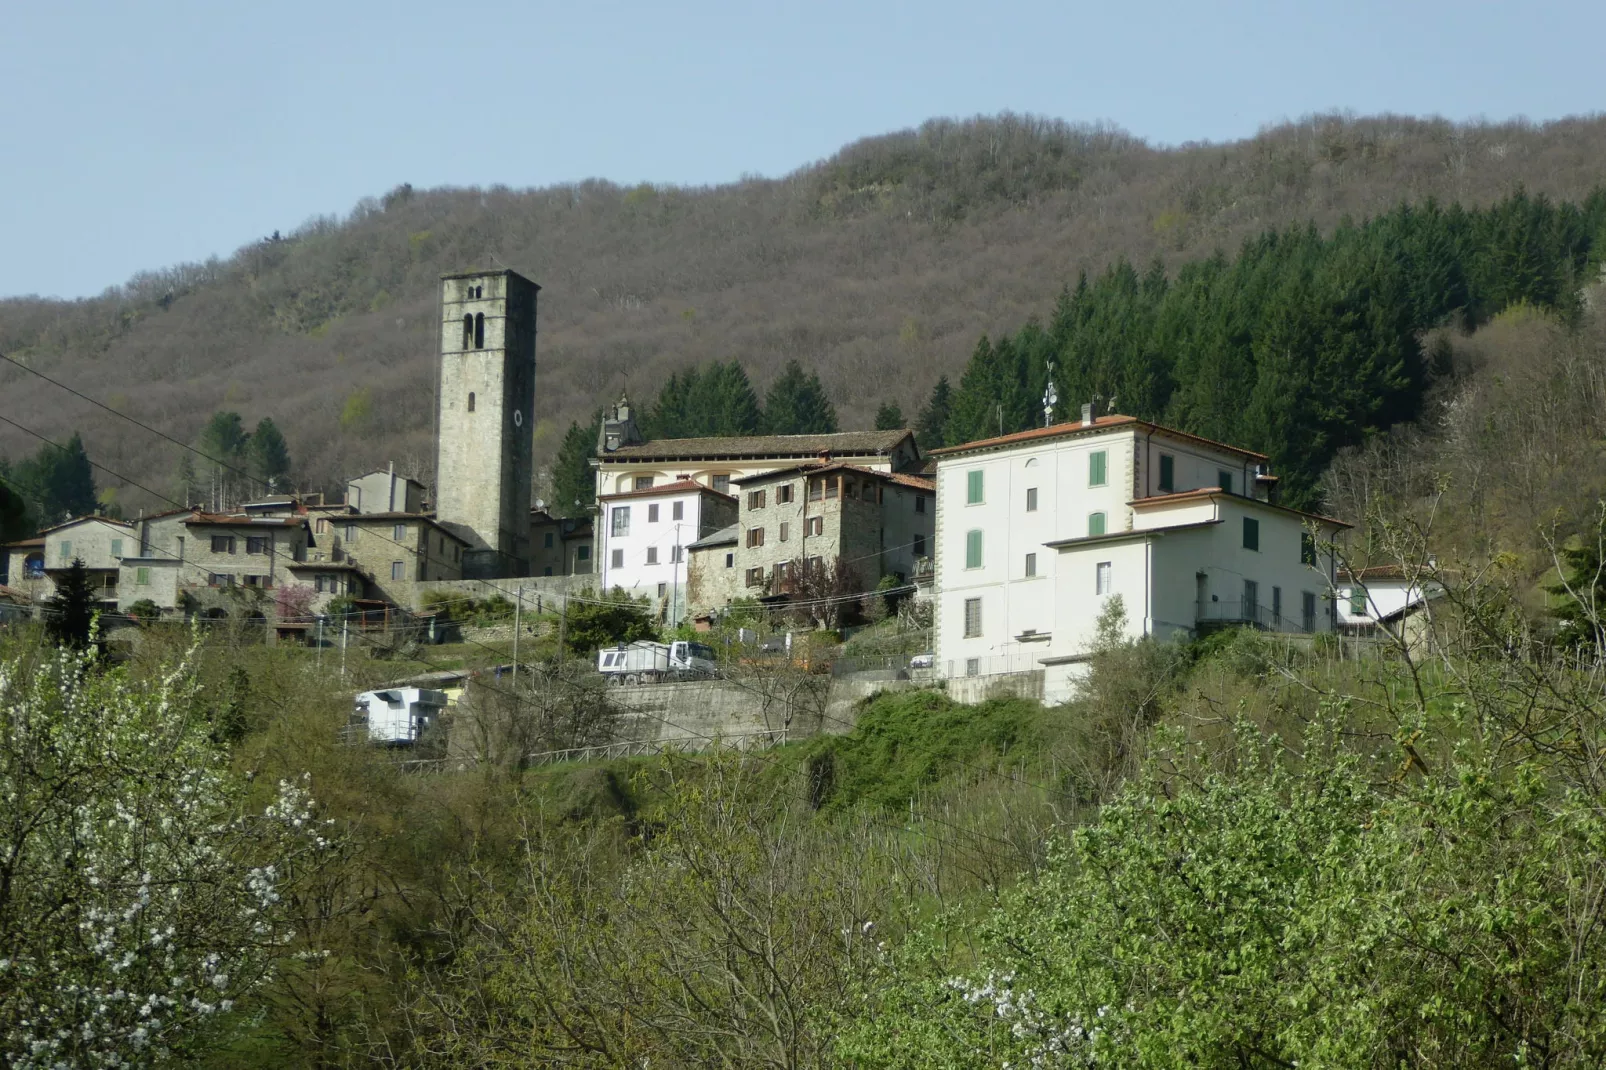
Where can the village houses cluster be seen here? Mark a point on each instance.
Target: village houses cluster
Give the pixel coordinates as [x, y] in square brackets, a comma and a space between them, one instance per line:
[1019, 542]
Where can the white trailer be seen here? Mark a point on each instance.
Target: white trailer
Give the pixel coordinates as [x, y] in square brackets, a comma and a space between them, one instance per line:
[399, 715]
[646, 662]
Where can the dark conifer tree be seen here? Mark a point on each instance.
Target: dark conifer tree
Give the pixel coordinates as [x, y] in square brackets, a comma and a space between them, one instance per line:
[267, 457]
[726, 402]
[931, 426]
[889, 417]
[797, 405]
[70, 613]
[574, 482]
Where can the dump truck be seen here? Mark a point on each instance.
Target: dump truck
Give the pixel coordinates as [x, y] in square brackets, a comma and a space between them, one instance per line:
[646, 662]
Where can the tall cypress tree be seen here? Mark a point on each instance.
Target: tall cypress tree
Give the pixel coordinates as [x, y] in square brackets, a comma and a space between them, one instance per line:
[70, 613]
[931, 426]
[267, 456]
[796, 404]
[574, 481]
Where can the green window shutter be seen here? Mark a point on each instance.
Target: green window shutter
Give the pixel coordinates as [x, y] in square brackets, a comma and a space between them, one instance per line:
[142, 576]
[973, 549]
[1357, 602]
[1251, 533]
[1224, 480]
[1168, 472]
[1097, 468]
[973, 487]
[1095, 524]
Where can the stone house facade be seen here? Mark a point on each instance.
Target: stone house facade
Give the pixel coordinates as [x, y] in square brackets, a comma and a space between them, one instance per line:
[560, 546]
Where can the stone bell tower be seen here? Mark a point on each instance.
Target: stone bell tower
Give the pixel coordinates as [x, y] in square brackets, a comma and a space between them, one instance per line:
[486, 396]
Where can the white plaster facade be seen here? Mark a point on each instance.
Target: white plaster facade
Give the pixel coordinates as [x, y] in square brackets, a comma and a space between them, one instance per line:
[1379, 595]
[643, 537]
[1036, 532]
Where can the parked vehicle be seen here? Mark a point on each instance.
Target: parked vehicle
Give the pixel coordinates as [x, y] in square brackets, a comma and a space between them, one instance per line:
[398, 716]
[646, 662]
[923, 661]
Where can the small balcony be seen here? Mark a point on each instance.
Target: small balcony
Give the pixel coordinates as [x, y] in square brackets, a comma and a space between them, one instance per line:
[1216, 616]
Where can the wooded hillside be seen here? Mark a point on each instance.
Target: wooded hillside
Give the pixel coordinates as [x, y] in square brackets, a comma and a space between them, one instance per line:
[879, 268]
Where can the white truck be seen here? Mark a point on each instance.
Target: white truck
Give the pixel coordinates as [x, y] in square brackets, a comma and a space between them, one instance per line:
[398, 715]
[646, 662]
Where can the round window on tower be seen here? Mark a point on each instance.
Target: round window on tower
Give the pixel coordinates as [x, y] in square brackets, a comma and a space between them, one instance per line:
[518, 418]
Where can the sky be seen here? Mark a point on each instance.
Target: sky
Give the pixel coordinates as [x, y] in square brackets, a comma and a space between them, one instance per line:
[137, 136]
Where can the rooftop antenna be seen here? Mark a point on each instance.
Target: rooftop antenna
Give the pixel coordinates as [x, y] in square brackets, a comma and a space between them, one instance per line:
[1051, 397]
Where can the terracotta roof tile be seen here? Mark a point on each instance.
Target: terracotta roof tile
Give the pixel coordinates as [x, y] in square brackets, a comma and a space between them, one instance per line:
[1076, 427]
[679, 486]
[858, 443]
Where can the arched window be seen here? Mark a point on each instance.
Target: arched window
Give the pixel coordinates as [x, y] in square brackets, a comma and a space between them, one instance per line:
[479, 330]
[468, 330]
[471, 401]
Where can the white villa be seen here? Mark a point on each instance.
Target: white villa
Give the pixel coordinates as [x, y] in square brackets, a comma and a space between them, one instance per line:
[1038, 531]
[644, 535]
[1383, 596]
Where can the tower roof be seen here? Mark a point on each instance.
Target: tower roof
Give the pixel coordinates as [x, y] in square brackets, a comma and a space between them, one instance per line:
[489, 271]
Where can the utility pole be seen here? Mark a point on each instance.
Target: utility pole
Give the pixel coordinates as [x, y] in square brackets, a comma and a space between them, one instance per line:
[345, 631]
[320, 642]
[563, 622]
[518, 626]
[674, 592]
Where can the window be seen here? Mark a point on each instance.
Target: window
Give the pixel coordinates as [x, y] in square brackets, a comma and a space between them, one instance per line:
[142, 576]
[783, 494]
[1031, 499]
[1251, 533]
[730, 560]
[1101, 578]
[256, 544]
[621, 520]
[974, 487]
[1307, 548]
[253, 581]
[652, 514]
[583, 554]
[652, 555]
[479, 330]
[972, 618]
[833, 484]
[1307, 606]
[677, 554]
[66, 550]
[320, 583]
[117, 547]
[850, 489]
[755, 537]
[778, 575]
[972, 666]
[973, 549]
[677, 511]
[322, 525]
[221, 544]
[220, 579]
[1168, 473]
[1276, 606]
[399, 532]
[468, 327]
[663, 589]
[1357, 602]
[920, 546]
[813, 525]
[814, 564]
[1251, 600]
[920, 503]
[547, 571]
[1224, 480]
[1095, 524]
[397, 570]
[351, 532]
[644, 482]
[816, 489]
[471, 401]
[1031, 565]
[618, 559]
[1098, 468]
[786, 529]
[755, 499]
[546, 541]
[755, 577]
[722, 484]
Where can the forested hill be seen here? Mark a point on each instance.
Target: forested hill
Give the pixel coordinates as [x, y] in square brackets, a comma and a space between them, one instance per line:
[880, 268]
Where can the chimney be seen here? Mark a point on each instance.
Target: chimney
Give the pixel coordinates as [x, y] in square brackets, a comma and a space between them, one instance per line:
[1087, 415]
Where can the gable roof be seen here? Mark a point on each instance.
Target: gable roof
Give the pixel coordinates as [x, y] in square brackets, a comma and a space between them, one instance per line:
[679, 486]
[82, 519]
[1072, 428]
[241, 520]
[1216, 492]
[755, 447]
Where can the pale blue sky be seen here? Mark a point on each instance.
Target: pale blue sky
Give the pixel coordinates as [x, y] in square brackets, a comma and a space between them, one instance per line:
[134, 136]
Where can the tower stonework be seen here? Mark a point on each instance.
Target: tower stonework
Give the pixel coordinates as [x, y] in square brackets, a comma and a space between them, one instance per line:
[486, 397]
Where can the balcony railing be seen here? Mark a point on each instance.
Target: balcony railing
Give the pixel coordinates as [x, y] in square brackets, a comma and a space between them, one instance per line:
[1215, 615]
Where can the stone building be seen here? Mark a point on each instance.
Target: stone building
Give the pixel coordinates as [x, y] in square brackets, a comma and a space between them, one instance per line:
[230, 556]
[384, 491]
[560, 546]
[391, 553]
[486, 397]
[712, 578]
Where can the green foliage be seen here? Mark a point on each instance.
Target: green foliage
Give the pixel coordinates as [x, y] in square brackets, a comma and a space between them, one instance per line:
[145, 611]
[70, 613]
[716, 399]
[358, 411]
[574, 482]
[1298, 346]
[267, 457]
[1580, 610]
[595, 621]
[889, 417]
[48, 488]
[796, 404]
[903, 743]
[931, 426]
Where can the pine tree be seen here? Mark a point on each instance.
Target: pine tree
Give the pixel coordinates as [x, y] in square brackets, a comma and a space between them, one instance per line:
[931, 426]
[267, 457]
[223, 440]
[725, 403]
[671, 413]
[889, 417]
[70, 479]
[574, 483]
[796, 404]
[70, 613]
